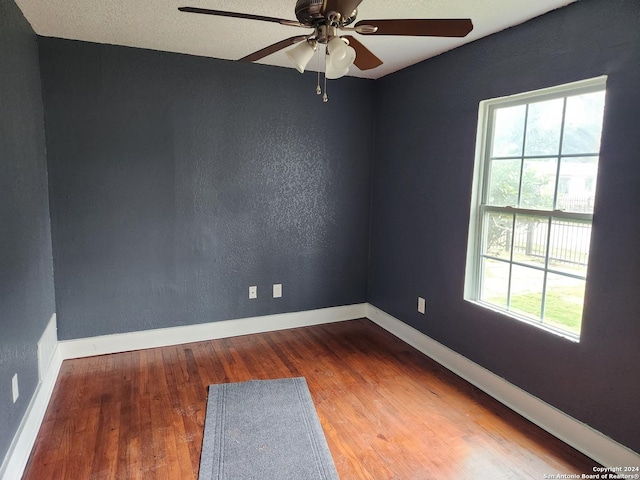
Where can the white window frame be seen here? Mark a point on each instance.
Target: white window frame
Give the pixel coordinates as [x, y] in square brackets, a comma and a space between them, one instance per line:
[473, 276]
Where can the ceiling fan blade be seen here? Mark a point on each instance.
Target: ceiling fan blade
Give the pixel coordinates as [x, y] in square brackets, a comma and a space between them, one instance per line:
[273, 48]
[365, 59]
[247, 16]
[345, 7]
[420, 27]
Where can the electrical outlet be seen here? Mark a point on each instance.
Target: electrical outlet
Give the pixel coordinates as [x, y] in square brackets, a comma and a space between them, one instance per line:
[277, 290]
[14, 388]
[422, 305]
[253, 292]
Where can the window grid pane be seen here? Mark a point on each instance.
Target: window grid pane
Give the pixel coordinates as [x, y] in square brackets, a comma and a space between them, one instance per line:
[495, 284]
[538, 183]
[544, 127]
[526, 292]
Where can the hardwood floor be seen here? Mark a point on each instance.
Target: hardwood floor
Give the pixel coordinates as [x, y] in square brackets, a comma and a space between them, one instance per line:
[388, 411]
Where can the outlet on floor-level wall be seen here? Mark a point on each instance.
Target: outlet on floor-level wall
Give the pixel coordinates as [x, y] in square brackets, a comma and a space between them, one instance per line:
[277, 291]
[14, 388]
[422, 305]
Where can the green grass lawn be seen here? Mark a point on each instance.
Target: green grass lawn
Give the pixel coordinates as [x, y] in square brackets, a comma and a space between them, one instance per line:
[561, 309]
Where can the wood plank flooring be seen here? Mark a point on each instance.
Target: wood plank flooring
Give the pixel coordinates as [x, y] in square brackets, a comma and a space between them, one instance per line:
[388, 411]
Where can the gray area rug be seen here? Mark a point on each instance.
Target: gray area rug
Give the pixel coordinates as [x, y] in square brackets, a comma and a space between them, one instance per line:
[264, 429]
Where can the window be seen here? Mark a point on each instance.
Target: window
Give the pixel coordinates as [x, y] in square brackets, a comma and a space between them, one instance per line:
[532, 205]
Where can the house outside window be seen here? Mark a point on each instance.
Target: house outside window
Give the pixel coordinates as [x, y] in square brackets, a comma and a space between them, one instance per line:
[532, 204]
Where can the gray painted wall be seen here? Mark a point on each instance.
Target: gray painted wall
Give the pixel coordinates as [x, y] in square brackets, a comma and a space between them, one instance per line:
[426, 123]
[177, 182]
[26, 269]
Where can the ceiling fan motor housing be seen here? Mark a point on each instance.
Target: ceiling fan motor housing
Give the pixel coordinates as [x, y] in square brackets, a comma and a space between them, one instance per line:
[313, 13]
[309, 12]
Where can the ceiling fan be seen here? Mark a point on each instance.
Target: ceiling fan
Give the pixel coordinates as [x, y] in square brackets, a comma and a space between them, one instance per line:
[326, 18]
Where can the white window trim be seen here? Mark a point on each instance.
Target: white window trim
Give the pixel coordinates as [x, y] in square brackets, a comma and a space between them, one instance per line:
[472, 273]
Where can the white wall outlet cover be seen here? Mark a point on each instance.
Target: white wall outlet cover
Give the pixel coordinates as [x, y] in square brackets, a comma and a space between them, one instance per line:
[14, 388]
[277, 290]
[422, 305]
[253, 292]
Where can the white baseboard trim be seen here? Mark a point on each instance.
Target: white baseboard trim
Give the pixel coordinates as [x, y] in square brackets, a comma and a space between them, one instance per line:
[163, 337]
[580, 436]
[46, 346]
[22, 444]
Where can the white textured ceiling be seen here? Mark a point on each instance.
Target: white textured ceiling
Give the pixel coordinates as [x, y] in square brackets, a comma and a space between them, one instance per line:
[158, 25]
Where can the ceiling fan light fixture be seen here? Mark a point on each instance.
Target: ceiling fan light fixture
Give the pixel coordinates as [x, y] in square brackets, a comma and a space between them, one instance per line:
[332, 73]
[337, 47]
[340, 57]
[301, 54]
[339, 67]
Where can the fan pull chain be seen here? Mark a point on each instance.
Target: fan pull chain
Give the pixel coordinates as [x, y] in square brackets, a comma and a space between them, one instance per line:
[325, 97]
[318, 89]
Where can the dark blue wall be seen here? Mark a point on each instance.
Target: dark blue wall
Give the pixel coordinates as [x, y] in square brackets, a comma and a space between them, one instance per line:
[26, 271]
[177, 182]
[426, 122]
